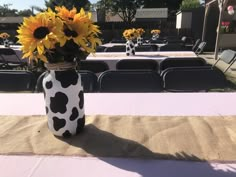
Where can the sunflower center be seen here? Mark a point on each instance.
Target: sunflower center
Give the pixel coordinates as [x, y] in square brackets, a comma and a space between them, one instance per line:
[70, 33]
[41, 32]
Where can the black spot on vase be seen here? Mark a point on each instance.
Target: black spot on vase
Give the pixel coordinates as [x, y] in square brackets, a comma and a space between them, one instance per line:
[46, 109]
[80, 124]
[67, 134]
[67, 78]
[48, 85]
[131, 46]
[127, 48]
[75, 114]
[127, 54]
[58, 103]
[133, 52]
[81, 99]
[58, 123]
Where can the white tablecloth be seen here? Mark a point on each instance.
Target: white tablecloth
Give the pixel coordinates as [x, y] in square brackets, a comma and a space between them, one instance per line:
[118, 104]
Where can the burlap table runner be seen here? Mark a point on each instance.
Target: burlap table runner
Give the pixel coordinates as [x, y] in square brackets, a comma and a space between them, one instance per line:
[185, 138]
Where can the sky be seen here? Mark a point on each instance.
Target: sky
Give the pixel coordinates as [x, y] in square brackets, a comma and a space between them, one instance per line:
[26, 4]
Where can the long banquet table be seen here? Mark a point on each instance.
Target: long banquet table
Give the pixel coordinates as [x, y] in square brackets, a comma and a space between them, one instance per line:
[119, 104]
[112, 57]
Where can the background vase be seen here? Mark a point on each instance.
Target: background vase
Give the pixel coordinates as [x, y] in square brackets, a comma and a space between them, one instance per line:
[130, 48]
[139, 40]
[64, 99]
[155, 36]
[6, 43]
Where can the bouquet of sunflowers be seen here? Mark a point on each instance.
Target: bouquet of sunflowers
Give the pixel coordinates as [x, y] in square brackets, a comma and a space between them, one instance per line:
[140, 31]
[61, 36]
[155, 31]
[130, 34]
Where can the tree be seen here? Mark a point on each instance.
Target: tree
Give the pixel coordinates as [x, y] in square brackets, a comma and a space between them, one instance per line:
[154, 3]
[189, 4]
[173, 4]
[6, 11]
[126, 9]
[78, 4]
[25, 13]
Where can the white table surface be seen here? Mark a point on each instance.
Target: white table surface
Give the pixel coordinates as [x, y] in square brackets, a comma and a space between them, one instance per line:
[150, 104]
[119, 104]
[158, 55]
[116, 44]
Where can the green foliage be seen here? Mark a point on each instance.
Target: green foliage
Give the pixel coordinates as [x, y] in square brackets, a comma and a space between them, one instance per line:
[69, 4]
[6, 11]
[189, 4]
[25, 13]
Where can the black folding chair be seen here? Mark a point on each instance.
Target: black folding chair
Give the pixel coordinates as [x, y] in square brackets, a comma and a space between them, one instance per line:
[95, 66]
[228, 56]
[11, 59]
[172, 47]
[197, 42]
[16, 80]
[137, 64]
[146, 48]
[116, 48]
[130, 81]
[193, 79]
[89, 81]
[181, 62]
[200, 48]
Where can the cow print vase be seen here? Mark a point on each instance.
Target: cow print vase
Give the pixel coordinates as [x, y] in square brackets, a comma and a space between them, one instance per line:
[64, 100]
[139, 41]
[130, 48]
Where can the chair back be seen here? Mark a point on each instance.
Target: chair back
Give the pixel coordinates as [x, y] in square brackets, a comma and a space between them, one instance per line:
[146, 48]
[95, 66]
[181, 62]
[116, 48]
[172, 47]
[200, 48]
[196, 44]
[11, 59]
[193, 79]
[227, 56]
[16, 80]
[130, 81]
[88, 80]
[137, 64]
[100, 48]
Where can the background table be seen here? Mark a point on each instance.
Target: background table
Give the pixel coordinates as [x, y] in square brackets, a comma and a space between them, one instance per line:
[112, 57]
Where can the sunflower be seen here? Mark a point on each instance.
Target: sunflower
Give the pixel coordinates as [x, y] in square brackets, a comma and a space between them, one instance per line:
[65, 14]
[82, 31]
[130, 34]
[155, 31]
[4, 35]
[140, 31]
[39, 33]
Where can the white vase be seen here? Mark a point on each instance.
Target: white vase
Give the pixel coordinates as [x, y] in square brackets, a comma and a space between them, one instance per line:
[64, 99]
[130, 48]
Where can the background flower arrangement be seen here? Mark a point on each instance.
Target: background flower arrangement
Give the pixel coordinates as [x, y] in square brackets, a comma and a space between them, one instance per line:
[4, 35]
[140, 31]
[130, 34]
[61, 36]
[155, 31]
